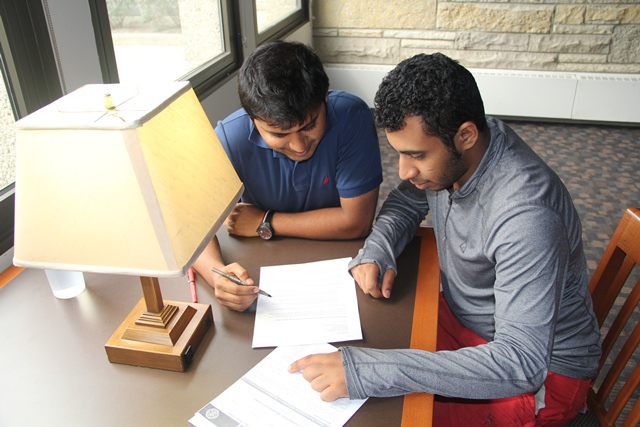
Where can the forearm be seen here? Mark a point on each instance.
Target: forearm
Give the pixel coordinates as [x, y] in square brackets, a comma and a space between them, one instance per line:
[352, 219]
[327, 223]
[210, 257]
[395, 226]
[468, 373]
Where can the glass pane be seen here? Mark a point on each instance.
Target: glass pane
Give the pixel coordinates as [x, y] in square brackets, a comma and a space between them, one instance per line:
[162, 40]
[270, 12]
[7, 138]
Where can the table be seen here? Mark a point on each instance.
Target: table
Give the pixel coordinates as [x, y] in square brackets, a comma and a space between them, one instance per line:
[54, 370]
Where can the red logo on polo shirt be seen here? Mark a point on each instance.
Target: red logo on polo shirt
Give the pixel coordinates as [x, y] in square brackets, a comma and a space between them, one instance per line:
[326, 179]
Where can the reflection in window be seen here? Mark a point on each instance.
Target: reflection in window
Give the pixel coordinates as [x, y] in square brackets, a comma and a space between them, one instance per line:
[270, 12]
[7, 138]
[162, 40]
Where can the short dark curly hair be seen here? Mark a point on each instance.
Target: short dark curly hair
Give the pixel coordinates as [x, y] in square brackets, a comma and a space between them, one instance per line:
[434, 87]
[282, 83]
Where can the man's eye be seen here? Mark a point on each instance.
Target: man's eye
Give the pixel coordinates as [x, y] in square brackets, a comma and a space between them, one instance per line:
[416, 156]
[310, 126]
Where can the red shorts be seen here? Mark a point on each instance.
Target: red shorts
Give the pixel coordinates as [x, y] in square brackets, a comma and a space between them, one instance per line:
[564, 397]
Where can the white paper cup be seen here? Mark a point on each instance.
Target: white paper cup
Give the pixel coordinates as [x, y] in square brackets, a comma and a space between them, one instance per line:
[66, 284]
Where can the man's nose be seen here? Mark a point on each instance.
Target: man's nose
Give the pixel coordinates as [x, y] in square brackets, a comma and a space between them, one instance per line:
[296, 143]
[405, 169]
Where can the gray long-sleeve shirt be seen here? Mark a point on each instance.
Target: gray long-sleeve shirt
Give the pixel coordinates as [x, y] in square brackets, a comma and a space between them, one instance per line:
[512, 270]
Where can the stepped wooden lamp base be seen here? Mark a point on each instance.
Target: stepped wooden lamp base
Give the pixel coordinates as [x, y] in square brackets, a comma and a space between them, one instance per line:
[159, 334]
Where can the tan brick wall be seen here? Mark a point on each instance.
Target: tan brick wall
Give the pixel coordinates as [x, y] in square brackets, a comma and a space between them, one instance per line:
[553, 35]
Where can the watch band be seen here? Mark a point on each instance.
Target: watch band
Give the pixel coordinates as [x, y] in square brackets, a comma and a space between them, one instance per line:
[268, 216]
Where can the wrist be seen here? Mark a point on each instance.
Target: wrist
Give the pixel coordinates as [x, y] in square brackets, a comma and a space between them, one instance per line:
[265, 229]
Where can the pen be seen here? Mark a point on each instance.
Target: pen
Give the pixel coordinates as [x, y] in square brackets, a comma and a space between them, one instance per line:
[237, 281]
[192, 284]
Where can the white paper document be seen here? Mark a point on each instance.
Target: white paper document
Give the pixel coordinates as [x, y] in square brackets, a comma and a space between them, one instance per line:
[311, 303]
[269, 396]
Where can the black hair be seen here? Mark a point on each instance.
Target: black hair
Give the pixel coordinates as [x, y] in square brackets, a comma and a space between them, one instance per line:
[434, 87]
[282, 83]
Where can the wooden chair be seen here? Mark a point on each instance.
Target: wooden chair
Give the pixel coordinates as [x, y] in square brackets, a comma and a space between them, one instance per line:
[619, 259]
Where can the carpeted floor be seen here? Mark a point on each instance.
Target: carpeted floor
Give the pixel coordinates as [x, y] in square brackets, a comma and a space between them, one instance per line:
[600, 166]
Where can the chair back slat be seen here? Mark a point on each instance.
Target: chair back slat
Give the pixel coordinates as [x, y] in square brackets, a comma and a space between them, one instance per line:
[619, 323]
[618, 263]
[633, 420]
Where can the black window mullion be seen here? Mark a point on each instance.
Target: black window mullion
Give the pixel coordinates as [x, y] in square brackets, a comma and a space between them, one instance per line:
[30, 49]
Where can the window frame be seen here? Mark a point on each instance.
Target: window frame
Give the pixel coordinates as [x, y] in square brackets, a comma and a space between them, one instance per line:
[283, 27]
[204, 79]
[31, 77]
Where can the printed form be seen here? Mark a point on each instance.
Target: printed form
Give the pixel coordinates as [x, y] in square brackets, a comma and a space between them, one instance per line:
[269, 396]
[311, 303]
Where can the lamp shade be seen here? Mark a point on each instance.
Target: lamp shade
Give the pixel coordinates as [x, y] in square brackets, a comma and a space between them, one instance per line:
[137, 185]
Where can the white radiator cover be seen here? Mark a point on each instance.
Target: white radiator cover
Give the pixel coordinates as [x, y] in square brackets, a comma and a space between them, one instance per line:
[589, 97]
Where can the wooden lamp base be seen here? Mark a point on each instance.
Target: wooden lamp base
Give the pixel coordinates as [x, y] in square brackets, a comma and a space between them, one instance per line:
[159, 334]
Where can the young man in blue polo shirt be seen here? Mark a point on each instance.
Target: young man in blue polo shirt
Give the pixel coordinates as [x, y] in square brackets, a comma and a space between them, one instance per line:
[308, 157]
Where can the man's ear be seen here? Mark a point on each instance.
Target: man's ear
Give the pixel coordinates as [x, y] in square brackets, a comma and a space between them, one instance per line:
[468, 135]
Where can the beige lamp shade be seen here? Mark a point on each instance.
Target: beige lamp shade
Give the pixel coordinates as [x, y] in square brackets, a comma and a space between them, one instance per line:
[139, 188]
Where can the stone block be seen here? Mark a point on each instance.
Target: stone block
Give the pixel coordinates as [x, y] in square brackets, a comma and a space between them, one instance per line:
[420, 34]
[325, 32]
[426, 44]
[493, 59]
[404, 14]
[569, 43]
[352, 50]
[631, 15]
[625, 45]
[496, 17]
[604, 14]
[570, 15]
[583, 29]
[355, 32]
[470, 40]
[577, 58]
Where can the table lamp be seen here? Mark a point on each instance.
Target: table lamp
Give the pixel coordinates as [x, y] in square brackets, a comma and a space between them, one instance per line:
[132, 180]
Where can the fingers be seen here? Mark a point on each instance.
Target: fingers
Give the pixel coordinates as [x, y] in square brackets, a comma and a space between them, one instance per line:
[230, 294]
[366, 275]
[387, 283]
[244, 219]
[325, 374]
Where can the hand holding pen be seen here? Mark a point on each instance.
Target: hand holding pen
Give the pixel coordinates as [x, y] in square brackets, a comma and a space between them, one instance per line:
[235, 280]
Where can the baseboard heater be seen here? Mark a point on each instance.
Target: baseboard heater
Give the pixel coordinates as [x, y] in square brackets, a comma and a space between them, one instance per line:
[562, 96]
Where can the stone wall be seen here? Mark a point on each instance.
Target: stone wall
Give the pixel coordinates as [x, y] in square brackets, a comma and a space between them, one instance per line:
[552, 35]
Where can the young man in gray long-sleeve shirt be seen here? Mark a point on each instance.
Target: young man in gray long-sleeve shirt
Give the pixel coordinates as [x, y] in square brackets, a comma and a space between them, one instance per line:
[518, 342]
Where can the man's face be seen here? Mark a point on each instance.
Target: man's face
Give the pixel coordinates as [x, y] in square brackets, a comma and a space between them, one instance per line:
[299, 142]
[425, 160]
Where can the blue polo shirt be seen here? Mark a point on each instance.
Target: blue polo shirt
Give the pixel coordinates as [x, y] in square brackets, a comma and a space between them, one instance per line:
[346, 162]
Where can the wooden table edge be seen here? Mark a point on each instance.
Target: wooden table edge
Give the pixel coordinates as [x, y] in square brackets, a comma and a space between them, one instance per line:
[418, 407]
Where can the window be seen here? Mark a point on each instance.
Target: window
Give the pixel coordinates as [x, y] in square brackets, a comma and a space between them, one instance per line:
[7, 137]
[168, 40]
[275, 18]
[195, 40]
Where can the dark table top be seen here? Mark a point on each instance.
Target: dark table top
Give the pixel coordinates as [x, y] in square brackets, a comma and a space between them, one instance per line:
[54, 370]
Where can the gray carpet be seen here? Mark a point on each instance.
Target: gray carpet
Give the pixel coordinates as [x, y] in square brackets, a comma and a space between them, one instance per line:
[599, 164]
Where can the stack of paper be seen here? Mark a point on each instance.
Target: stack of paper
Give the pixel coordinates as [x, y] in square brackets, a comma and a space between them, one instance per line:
[311, 303]
[269, 396]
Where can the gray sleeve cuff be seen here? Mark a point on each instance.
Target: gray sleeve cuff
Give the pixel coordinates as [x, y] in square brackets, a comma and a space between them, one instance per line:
[354, 387]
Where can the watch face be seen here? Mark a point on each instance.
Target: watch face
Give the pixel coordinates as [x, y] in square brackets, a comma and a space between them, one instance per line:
[265, 232]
